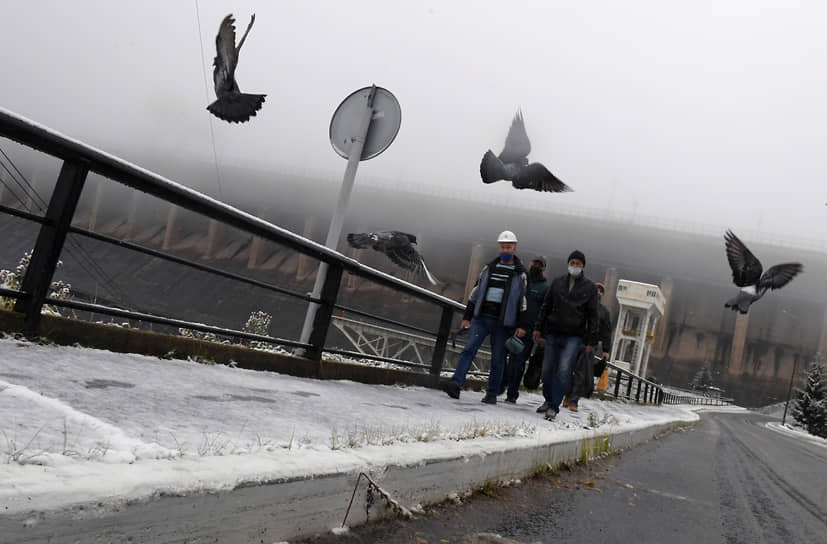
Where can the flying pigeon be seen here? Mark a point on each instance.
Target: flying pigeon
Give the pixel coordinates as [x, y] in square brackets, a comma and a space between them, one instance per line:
[232, 105]
[513, 165]
[398, 246]
[747, 274]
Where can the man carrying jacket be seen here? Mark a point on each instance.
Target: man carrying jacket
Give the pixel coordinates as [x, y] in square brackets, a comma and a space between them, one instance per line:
[567, 320]
[496, 308]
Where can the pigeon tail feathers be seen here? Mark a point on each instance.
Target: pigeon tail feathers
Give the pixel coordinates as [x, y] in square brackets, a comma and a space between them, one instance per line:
[491, 168]
[236, 107]
[428, 275]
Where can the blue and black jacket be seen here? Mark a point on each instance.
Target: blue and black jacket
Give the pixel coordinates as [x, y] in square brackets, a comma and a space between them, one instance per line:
[513, 306]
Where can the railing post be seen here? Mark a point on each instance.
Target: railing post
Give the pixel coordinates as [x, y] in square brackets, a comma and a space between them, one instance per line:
[637, 392]
[618, 377]
[629, 388]
[321, 321]
[47, 248]
[441, 342]
[645, 393]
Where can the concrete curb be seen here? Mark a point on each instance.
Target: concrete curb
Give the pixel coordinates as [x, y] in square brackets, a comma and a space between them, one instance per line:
[300, 507]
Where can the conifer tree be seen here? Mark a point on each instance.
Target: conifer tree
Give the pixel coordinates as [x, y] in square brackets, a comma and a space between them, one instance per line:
[702, 379]
[810, 408]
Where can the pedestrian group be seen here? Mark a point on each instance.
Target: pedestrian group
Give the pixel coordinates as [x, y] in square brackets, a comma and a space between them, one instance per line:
[555, 327]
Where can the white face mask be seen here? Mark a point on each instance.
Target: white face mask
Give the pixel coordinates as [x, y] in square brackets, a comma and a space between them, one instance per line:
[575, 270]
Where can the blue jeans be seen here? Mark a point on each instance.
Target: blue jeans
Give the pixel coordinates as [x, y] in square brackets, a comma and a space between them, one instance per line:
[561, 353]
[481, 327]
[517, 368]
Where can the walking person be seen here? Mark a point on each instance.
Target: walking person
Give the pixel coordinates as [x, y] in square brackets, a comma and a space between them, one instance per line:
[568, 321]
[535, 293]
[496, 309]
[582, 379]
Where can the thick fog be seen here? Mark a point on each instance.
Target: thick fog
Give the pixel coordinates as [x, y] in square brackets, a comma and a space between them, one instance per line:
[704, 112]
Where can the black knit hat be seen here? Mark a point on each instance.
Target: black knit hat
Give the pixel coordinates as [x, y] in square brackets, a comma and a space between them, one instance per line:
[540, 259]
[577, 254]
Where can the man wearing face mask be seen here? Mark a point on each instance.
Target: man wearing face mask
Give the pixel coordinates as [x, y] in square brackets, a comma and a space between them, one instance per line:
[568, 319]
[496, 308]
[535, 293]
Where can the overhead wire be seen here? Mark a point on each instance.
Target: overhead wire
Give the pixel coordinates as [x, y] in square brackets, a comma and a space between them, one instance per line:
[207, 96]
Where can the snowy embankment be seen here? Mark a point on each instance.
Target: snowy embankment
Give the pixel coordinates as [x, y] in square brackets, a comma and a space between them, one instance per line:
[81, 425]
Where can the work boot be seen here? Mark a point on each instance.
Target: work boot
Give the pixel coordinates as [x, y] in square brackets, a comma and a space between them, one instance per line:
[451, 388]
[543, 407]
[573, 406]
[510, 400]
[565, 401]
[489, 399]
[551, 414]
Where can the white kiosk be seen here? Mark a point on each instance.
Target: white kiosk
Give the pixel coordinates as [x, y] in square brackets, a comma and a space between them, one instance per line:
[641, 305]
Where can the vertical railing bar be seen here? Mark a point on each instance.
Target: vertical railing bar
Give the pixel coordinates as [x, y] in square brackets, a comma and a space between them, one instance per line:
[441, 343]
[47, 249]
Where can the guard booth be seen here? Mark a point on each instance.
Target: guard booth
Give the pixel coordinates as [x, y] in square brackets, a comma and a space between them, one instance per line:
[641, 305]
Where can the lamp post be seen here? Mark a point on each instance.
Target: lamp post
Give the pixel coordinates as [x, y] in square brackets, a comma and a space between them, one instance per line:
[795, 367]
[790, 389]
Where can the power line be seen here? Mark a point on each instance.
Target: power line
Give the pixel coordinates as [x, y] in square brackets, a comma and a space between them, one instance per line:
[207, 97]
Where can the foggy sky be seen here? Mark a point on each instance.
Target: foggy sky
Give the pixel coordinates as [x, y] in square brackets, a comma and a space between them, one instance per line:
[711, 112]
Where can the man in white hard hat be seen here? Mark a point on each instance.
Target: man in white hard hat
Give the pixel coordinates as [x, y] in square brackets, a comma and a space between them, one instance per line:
[496, 308]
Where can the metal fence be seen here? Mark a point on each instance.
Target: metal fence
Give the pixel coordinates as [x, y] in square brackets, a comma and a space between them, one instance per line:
[79, 160]
[624, 384]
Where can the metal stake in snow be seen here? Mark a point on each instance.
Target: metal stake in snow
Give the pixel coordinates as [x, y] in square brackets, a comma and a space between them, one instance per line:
[362, 127]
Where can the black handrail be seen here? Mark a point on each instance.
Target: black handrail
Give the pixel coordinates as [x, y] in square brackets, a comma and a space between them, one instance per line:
[649, 390]
[80, 159]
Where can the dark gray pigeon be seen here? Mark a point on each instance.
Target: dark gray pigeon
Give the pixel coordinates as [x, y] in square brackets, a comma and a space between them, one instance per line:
[398, 246]
[747, 274]
[512, 164]
[232, 105]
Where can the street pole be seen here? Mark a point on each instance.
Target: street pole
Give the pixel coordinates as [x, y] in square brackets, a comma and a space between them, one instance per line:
[335, 230]
[790, 389]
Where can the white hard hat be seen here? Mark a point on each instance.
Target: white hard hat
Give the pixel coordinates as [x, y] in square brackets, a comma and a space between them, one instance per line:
[507, 236]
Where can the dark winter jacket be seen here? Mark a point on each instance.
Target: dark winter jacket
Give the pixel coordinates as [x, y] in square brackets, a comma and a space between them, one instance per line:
[604, 327]
[513, 306]
[570, 313]
[534, 295]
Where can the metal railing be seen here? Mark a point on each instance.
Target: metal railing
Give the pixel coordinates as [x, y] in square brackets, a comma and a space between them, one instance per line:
[80, 159]
[624, 384]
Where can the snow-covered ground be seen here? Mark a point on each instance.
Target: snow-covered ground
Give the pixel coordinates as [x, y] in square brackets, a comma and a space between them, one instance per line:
[798, 432]
[80, 425]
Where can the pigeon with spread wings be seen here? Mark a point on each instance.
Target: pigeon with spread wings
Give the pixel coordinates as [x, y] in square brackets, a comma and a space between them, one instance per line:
[398, 246]
[512, 163]
[232, 105]
[749, 275]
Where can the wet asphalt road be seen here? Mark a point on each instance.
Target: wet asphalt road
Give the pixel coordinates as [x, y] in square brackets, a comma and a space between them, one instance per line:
[727, 479]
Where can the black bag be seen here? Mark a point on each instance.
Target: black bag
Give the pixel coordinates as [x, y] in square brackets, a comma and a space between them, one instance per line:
[582, 377]
[534, 372]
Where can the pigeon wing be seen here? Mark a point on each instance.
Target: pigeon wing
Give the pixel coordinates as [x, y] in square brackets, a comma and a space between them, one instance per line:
[359, 240]
[409, 258]
[517, 145]
[404, 256]
[536, 176]
[244, 37]
[226, 56]
[746, 268]
[779, 275]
